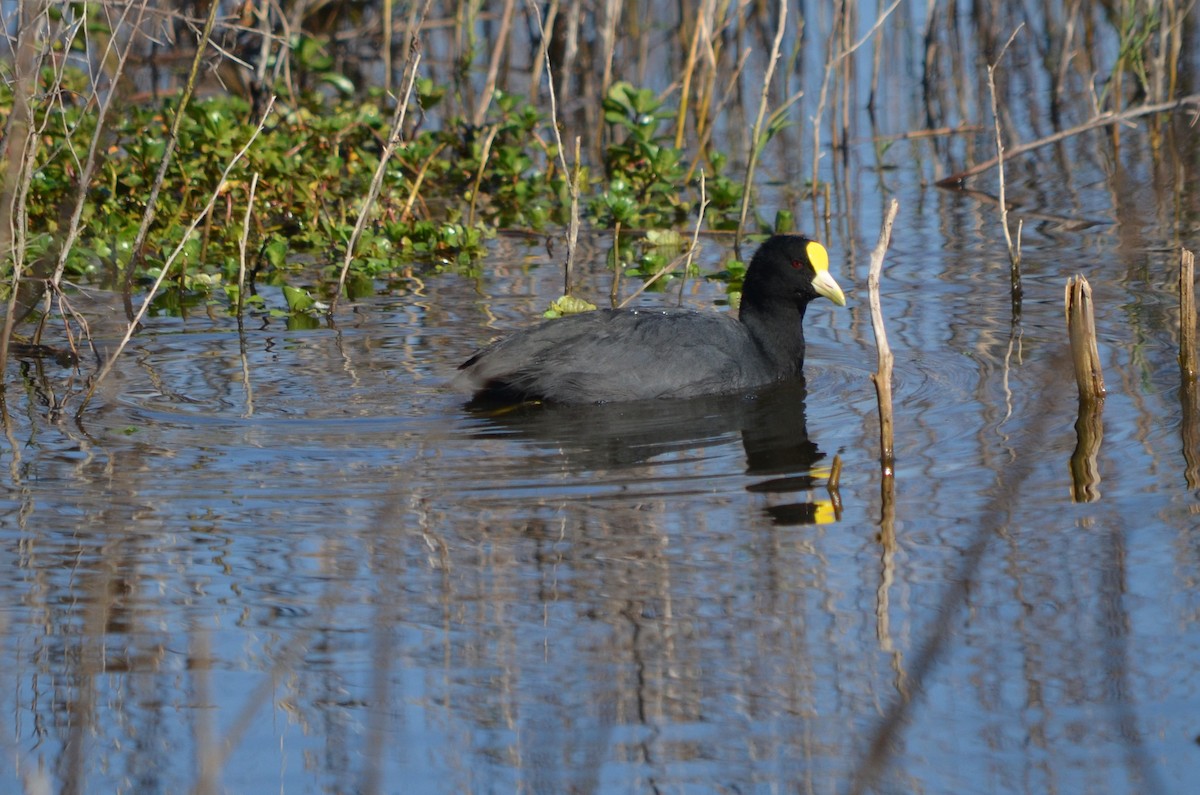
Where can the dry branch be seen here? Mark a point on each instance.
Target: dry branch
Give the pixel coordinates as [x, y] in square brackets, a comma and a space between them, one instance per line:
[883, 376]
[1103, 120]
[1014, 251]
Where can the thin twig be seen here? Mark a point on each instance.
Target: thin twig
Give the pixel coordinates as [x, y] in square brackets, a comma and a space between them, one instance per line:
[489, 86]
[695, 235]
[89, 164]
[393, 141]
[755, 146]
[484, 154]
[830, 65]
[1102, 120]
[1014, 251]
[703, 21]
[136, 320]
[243, 243]
[883, 376]
[168, 154]
[17, 150]
[572, 179]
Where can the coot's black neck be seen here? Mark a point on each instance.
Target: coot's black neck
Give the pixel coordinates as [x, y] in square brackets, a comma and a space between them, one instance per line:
[776, 323]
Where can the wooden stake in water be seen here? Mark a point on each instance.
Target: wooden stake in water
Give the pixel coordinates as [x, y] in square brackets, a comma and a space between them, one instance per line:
[1187, 315]
[1189, 369]
[1089, 427]
[1081, 327]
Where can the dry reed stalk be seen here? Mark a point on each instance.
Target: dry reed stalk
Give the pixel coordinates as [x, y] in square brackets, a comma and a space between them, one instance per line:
[484, 155]
[573, 180]
[573, 223]
[570, 49]
[535, 69]
[166, 268]
[962, 129]
[415, 192]
[713, 53]
[1081, 328]
[394, 135]
[695, 235]
[489, 86]
[755, 146]
[243, 243]
[388, 35]
[1189, 389]
[608, 41]
[876, 67]
[89, 162]
[1187, 316]
[616, 284]
[1102, 120]
[882, 378]
[831, 63]
[1014, 251]
[17, 150]
[168, 155]
[703, 22]
[702, 112]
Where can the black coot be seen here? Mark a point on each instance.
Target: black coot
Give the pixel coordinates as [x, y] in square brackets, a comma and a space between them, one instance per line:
[636, 354]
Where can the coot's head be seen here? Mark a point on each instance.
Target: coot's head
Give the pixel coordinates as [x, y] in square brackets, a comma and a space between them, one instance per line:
[790, 267]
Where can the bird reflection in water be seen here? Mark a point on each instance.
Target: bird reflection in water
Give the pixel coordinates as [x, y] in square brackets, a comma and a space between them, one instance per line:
[780, 457]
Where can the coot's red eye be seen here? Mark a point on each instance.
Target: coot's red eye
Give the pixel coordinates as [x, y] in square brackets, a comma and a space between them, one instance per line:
[797, 264]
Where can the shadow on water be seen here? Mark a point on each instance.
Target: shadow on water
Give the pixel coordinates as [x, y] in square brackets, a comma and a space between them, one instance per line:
[772, 425]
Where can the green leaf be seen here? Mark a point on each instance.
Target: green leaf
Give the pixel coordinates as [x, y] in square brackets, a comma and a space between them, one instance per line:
[665, 237]
[568, 305]
[298, 300]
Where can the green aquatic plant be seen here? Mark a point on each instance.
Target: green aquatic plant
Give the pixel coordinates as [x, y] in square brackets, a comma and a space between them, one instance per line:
[644, 169]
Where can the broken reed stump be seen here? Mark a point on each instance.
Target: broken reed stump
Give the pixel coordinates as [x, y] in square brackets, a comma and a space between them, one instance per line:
[1081, 328]
[883, 376]
[1189, 391]
[1187, 315]
[1089, 427]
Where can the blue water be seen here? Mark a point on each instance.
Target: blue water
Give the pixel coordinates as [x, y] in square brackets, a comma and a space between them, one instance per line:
[292, 560]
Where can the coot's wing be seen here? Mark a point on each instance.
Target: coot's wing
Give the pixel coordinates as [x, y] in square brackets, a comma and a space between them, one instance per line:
[612, 355]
